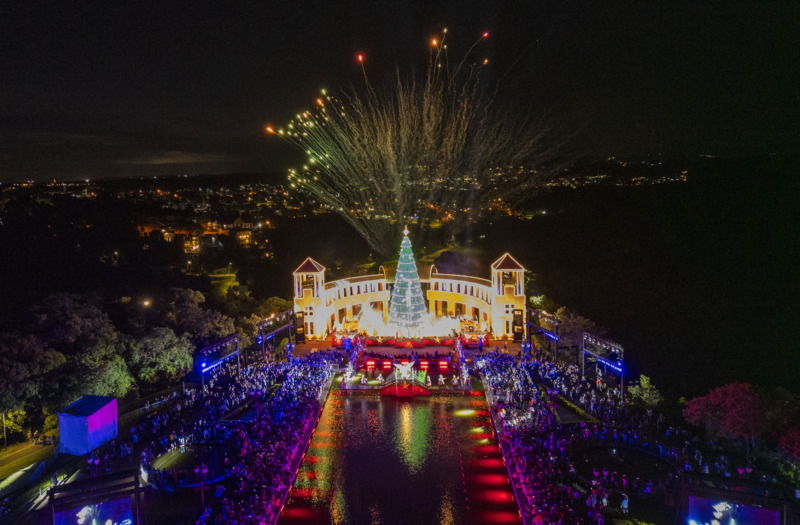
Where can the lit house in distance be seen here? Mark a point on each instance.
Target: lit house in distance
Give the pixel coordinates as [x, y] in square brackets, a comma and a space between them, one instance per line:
[345, 304]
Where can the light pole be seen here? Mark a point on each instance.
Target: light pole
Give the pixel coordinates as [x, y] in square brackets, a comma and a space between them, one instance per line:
[201, 472]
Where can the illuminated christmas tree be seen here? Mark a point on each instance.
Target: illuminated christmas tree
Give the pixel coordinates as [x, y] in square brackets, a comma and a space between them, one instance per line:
[407, 310]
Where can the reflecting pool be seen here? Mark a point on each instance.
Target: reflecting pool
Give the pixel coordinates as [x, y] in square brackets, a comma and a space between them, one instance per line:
[384, 460]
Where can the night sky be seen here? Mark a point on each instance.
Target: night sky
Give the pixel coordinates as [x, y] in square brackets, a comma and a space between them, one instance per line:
[109, 89]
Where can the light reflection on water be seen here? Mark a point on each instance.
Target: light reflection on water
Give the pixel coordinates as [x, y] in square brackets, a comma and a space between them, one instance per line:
[392, 461]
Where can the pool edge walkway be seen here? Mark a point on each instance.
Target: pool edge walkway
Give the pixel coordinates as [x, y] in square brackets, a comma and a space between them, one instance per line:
[519, 496]
[302, 448]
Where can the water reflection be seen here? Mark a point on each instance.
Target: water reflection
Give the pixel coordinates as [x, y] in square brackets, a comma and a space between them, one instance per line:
[388, 461]
[412, 437]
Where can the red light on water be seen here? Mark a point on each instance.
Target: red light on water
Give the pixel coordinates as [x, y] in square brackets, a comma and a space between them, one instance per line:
[488, 463]
[494, 496]
[490, 479]
[300, 513]
[486, 449]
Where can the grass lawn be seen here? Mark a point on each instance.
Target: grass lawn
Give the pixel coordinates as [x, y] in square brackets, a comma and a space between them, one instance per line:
[39, 454]
[220, 283]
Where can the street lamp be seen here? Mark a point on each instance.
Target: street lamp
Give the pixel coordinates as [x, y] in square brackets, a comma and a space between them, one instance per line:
[145, 305]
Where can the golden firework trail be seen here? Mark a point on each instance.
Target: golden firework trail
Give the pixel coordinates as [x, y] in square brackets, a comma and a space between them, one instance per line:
[438, 150]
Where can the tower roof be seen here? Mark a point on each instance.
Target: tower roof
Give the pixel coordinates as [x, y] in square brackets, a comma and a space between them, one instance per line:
[506, 262]
[310, 266]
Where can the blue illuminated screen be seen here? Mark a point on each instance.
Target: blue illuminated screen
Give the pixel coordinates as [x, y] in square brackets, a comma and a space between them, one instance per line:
[114, 512]
[703, 511]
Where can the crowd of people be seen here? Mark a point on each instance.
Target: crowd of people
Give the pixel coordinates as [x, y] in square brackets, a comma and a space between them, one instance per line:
[561, 483]
[259, 416]
[269, 444]
[550, 460]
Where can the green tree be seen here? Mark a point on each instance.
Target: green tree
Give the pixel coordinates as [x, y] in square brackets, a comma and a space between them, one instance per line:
[645, 392]
[572, 326]
[183, 312]
[211, 327]
[238, 301]
[246, 329]
[160, 357]
[25, 367]
[273, 305]
[76, 326]
[17, 422]
[181, 309]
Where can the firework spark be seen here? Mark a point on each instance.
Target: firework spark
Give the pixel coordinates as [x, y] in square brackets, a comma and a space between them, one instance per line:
[438, 150]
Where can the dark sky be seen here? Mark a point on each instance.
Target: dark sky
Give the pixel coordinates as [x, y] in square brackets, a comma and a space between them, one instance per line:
[101, 89]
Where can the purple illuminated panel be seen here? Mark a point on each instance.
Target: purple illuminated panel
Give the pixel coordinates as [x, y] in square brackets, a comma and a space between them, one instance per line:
[703, 511]
[114, 512]
[103, 424]
[87, 424]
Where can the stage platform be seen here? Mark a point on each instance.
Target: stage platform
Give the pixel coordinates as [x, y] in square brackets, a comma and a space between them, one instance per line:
[303, 349]
[434, 390]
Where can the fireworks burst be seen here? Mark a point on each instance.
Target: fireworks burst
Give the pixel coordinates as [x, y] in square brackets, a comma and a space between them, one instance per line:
[438, 150]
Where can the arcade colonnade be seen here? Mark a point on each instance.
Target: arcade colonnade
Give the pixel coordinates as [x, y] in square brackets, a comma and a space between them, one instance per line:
[327, 306]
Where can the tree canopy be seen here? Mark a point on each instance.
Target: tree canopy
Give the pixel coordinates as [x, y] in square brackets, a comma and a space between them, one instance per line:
[734, 411]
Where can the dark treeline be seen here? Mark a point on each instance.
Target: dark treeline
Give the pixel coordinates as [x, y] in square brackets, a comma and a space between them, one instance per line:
[91, 307]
